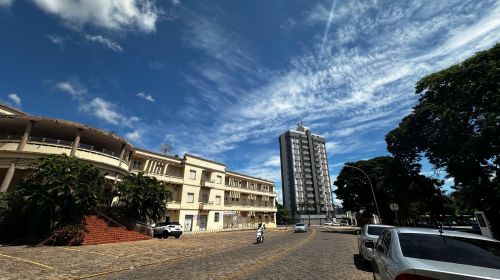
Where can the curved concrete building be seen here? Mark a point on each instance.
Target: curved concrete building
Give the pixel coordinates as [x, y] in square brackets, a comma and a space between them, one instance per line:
[24, 138]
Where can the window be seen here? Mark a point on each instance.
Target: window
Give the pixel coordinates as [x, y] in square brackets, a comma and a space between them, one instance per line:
[451, 249]
[216, 217]
[192, 174]
[219, 179]
[217, 199]
[190, 197]
[374, 230]
[205, 198]
[136, 164]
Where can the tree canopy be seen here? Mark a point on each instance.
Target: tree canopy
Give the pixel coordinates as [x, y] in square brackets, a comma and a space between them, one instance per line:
[392, 182]
[142, 197]
[456, 126]
[58, 193]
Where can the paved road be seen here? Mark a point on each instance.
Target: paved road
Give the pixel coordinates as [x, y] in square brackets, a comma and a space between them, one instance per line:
[313, 255]
[316, 254]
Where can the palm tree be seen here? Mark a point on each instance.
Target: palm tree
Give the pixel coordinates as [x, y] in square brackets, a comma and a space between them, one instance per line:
[142, 198]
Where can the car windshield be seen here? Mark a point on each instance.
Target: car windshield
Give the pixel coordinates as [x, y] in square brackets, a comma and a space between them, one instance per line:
[299, 225]
[374, 230]
[451, 249]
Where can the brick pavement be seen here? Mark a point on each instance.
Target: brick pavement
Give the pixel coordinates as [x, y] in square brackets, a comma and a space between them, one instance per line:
[210, 256]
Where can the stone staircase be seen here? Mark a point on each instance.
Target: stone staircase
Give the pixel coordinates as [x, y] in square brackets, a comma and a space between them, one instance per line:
[100, 231]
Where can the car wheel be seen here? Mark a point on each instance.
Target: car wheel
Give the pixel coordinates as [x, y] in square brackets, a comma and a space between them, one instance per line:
[177, 236]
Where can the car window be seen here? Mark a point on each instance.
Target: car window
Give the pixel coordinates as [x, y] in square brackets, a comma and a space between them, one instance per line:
[451, 249]
[387, 242]
[380, 243]
[299, 225]
[374, 230]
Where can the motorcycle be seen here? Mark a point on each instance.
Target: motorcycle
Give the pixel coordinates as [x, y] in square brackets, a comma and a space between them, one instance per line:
[260, 236]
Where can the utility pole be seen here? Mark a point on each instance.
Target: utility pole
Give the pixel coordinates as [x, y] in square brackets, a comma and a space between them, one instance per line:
[371, 187]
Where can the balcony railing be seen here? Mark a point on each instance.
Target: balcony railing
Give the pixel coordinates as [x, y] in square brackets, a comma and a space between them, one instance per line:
[81, 146]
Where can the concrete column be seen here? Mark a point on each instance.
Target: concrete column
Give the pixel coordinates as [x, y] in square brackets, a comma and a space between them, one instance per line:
[12, 167]
[122, 153]
[76, 143]
[26, 136]
[8, 176]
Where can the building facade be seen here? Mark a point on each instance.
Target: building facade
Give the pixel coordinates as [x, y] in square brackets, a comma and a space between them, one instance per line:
[305, 175]
[204, 195]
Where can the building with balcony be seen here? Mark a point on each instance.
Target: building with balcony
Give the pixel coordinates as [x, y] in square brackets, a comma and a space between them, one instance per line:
[305, 175]
[204, 195]
[24, 138]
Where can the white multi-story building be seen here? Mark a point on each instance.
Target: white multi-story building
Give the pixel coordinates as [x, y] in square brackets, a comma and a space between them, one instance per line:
[305, 175]
[204, 195]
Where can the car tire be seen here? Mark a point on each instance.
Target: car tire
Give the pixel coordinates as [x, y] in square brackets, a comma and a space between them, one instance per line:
[177, 236]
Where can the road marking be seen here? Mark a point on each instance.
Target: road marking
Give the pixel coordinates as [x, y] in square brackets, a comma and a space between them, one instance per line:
[262, 262]
[146, 264]
[83, 251]
[28, 261]
[205, 253]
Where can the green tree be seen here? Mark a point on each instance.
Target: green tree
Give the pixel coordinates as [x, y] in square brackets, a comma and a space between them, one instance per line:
[283, 216]
[456, 126]
[142, 198]
[392, 182]
[59, 192]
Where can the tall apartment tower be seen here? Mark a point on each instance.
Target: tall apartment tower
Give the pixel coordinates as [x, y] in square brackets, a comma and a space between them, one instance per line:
[305, 176]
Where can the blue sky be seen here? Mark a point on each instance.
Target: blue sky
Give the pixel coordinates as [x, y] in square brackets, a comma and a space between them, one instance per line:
[223, 79]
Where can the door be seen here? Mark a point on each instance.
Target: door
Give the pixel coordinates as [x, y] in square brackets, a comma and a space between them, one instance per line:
[188, 223]
[203, 222]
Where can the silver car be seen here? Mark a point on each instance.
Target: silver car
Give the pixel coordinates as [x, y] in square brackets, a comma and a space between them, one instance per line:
[428, 254]
[367, 238]
[300, 228]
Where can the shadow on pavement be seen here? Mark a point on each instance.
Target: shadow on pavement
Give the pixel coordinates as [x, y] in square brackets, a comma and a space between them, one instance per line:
[340, 231]
[358, 262]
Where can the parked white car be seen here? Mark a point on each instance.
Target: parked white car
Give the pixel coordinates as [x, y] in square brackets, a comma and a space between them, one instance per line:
[421, 253]
[367, 238]
[166, 229]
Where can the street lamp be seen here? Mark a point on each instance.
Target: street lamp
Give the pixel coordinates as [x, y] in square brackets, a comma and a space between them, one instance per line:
[371, 187]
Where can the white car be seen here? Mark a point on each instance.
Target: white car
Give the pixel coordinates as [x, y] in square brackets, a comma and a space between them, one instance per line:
[367, 238]
[422, 253]
[166, 229]
[300, 228]
[329, 224]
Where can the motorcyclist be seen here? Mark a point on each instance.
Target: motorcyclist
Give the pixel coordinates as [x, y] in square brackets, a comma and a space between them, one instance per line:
[261, 228]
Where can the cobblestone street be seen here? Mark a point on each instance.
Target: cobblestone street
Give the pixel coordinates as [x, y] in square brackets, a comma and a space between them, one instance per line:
[316, 254]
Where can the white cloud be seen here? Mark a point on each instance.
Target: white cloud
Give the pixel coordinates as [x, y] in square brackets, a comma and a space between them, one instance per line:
[350, 89]
[176, 2]
[6, 3]
[15, 98]
[145, 96]
[56, 39]
[279, 197]
[118, 15]
[106, 111]
[104, 41]
[134, 136]
[70, 88]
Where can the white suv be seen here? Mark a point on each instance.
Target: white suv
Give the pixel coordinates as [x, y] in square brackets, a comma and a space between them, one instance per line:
[166, 229]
